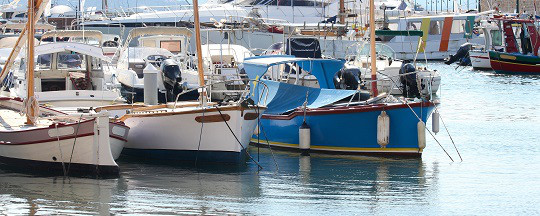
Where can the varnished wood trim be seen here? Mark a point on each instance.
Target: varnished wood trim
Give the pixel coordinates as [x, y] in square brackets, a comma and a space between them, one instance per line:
[119, 107]
[250, 116]
[213, 118]
[158, 113]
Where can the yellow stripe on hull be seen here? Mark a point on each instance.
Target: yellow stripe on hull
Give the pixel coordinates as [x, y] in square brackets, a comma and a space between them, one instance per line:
[341, 149]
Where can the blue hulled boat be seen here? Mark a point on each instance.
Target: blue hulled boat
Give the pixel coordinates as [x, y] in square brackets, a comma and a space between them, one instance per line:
[339, 122]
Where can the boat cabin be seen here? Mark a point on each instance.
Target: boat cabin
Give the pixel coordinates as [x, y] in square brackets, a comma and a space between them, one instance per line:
[520, 35]
[69, 66]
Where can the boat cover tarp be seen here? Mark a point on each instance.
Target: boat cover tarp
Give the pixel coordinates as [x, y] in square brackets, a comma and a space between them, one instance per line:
[323, 69]
[283, 97]
[303, 47]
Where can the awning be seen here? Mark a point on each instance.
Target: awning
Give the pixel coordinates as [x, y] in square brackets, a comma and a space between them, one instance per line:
[323, 69]
[85, 49]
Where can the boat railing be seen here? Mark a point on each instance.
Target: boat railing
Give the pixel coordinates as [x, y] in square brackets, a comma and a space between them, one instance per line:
[262, 97]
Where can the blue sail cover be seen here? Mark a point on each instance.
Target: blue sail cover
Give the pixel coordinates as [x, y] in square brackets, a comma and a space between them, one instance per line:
[283, 97]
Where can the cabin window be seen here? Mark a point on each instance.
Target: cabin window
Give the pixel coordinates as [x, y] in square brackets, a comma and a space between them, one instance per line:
[44, 61]
[71, 61]
[172, 46]
[458, 26]
[496, 38]
[414, 25]
[435, 27]
[96, 64]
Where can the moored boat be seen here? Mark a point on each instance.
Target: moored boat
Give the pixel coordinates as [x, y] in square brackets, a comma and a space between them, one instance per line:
[338, 122]
[42, 142]
[517, 58]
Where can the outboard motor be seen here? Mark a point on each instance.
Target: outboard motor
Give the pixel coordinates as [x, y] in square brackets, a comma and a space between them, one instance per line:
[172, 76]
[409, 86]
[347, 78]
[462, 55]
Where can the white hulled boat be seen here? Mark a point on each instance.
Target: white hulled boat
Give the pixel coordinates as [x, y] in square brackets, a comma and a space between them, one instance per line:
[43, 142]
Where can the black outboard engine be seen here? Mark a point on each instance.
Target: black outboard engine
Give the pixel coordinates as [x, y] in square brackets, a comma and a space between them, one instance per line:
[172, 76]
[461, 56]
[409, 86]
[347, 78]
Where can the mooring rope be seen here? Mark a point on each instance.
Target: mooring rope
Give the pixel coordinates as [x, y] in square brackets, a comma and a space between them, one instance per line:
[230, 129]
[60, 149]
[74, 142]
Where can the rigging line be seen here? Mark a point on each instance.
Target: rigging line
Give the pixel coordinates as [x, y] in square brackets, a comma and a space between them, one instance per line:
[451, 139]
[405, 102]
[74, 142]
[230, 129]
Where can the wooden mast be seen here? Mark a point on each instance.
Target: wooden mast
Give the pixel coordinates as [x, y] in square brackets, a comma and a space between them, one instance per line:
[342, 11]
[199, 51]
[373, 53]
[30, 62]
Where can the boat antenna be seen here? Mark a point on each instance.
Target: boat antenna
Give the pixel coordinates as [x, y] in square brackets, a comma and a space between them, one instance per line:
[372, 50]
[199, 52]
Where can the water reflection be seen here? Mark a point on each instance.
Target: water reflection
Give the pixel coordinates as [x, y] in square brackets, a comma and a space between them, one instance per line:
[25, 194]
[338, 181]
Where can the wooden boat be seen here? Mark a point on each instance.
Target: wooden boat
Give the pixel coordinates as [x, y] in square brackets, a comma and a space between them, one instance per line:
[514, 59]
[191, 131]
[330, 120]
[41, 142]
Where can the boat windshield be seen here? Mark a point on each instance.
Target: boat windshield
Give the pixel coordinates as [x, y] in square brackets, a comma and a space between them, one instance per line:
[71, 61]
[382, 50]
[85, 40]
[144, 52]
[44, 61]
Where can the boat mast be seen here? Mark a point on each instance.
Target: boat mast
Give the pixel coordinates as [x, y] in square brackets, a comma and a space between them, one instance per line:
[372, 50]
[342, 11]
[30, 62]
[199, 51]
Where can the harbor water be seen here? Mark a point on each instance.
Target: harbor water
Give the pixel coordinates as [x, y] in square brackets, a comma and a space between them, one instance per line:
[493, 119]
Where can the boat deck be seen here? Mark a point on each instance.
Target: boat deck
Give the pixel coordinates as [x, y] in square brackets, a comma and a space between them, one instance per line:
[11, 120]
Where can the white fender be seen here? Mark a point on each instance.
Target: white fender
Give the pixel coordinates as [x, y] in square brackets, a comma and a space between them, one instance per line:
[383, 129]
[435, 122]
[305, 138]
[421, 134]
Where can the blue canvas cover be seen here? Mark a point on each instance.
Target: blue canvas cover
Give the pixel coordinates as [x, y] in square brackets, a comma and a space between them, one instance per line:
[323, 69]
[283, 97]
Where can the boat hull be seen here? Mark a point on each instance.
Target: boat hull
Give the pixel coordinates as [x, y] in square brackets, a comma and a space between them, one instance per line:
[514, 63]
[80, 149]
[348, 130]
[480, 60]
[176, 136]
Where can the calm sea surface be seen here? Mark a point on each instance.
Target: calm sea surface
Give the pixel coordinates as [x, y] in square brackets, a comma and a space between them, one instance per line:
[493, 119]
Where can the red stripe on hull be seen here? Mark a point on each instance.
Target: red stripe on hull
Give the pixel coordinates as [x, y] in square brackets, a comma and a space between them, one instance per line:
[343, 110]
[514, 68]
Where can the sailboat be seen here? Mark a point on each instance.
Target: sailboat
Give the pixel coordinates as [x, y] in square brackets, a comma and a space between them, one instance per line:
[42, 141]
[189, 131]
